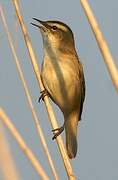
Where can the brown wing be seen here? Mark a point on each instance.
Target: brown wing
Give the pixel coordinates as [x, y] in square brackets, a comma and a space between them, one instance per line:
[82, 94]
[82, 82]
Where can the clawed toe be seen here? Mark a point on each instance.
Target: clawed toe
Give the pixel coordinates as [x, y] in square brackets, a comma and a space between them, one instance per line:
[59, 131]
[55, 136]
[43, 94]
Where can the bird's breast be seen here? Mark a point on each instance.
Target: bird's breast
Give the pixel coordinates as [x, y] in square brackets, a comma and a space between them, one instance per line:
[61, 81]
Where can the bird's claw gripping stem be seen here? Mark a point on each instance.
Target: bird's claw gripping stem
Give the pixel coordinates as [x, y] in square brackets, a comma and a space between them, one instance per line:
[43, 94]
[59, 131]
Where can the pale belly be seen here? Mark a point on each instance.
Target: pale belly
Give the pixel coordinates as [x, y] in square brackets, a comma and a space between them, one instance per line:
[62, 83]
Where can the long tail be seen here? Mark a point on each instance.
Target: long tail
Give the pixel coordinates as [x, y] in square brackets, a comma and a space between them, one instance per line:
[71, 135]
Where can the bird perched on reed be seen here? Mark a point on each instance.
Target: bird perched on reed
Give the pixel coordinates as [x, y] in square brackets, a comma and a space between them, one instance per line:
[63, 78]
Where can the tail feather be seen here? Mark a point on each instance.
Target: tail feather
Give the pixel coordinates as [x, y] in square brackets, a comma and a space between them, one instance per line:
[71, 135]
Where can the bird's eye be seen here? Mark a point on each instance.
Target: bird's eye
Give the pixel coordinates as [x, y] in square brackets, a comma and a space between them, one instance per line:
[54, 28]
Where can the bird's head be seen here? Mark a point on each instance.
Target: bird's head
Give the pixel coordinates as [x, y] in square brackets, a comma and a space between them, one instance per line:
[56, 34]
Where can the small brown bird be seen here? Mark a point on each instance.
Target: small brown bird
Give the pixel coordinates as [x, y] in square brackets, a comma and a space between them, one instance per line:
[63, 78]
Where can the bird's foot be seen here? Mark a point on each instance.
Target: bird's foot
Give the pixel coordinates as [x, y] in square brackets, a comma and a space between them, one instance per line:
[43, 94]
[59, 131]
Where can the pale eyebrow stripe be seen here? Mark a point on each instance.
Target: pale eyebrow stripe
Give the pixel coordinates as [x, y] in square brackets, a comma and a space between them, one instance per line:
[60, 26]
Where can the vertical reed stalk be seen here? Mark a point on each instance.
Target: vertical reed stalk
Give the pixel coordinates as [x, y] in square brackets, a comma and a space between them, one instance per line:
[29, 99]
[48, 106]
[101, 43]
[7, 165]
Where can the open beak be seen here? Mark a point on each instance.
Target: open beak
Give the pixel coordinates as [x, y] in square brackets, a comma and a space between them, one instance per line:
[42, 24]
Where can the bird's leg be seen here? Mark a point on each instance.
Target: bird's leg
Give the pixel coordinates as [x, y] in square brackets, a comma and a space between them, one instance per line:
[59, 131]
[43, 94]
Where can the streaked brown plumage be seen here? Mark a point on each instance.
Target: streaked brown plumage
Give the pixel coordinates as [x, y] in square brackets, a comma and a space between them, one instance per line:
[63, 78]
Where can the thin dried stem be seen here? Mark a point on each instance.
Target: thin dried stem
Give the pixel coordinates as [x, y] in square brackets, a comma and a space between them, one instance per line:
[48, 106]
[101, 43]
[7, 164]
[4, 118]
[36, 120]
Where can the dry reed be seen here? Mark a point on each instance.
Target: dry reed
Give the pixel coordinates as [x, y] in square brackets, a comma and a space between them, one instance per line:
[29, 99]
[101, 43]
[4, 118]
[7, 164]
[51, 115]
